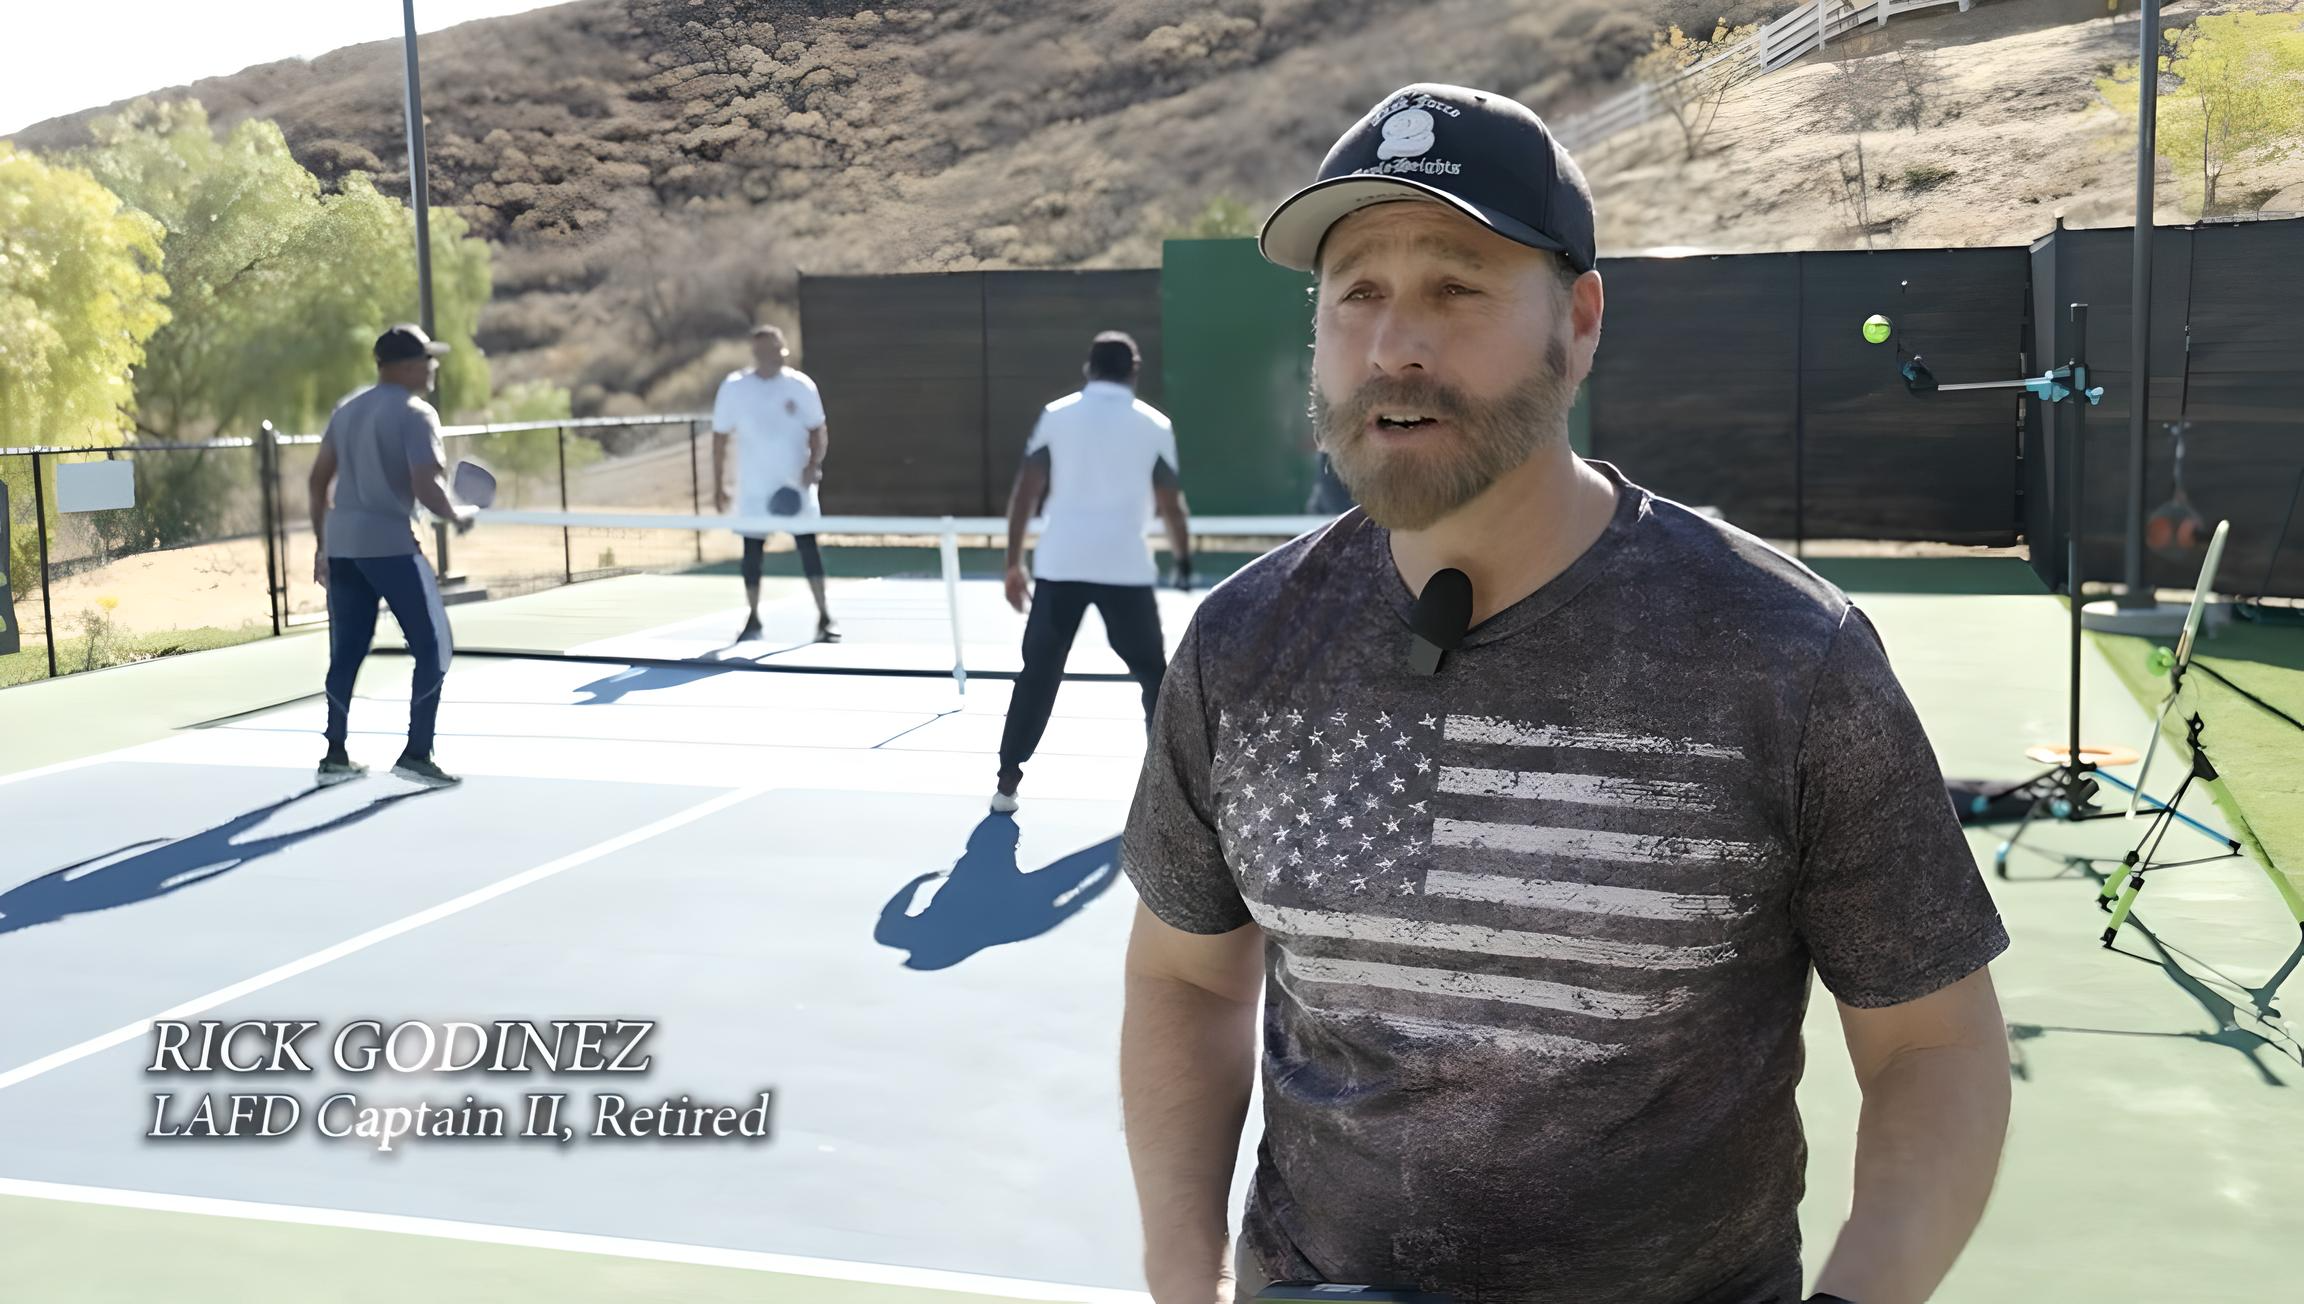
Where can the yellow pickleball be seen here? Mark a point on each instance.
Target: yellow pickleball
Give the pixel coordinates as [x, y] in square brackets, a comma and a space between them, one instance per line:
[1876, 329]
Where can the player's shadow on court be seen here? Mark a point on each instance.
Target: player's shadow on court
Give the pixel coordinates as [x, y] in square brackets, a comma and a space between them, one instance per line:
[987, 900]
[611, 688]
[160, 866]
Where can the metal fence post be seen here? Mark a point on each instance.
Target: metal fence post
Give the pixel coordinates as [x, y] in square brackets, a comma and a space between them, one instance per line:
[567, 549]
[268, 487]
[40, 531]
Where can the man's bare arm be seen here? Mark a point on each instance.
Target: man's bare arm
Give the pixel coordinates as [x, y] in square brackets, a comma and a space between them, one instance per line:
[1935, 1078]
[323, 478]
[720, 469]
[819, 444]
[1024, 499]
[1187, 1063]
[1168, 498]
[429, 479]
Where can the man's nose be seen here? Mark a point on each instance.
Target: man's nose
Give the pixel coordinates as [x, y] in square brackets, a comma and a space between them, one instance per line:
[1403, 342]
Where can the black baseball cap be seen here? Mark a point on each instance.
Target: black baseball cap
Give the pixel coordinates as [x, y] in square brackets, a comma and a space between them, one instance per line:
[404, 343]
[1486, 155]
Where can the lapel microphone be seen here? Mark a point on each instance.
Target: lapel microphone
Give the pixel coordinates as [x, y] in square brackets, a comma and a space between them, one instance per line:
[1443, 612]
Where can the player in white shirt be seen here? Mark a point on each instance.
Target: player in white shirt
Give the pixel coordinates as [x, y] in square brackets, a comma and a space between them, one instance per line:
[777, 418]
[1099, 465]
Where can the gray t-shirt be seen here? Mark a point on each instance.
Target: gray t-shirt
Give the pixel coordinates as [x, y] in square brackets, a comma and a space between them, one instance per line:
[1540, 927]
[379, 434]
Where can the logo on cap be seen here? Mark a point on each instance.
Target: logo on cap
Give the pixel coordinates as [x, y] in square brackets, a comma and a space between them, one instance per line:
[1407, 134]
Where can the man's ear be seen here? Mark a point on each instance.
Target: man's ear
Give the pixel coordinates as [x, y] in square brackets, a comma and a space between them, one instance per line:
[1587, 304]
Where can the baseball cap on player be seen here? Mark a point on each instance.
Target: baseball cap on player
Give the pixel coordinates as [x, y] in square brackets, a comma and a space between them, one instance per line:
[404, 343]
[1484, 154]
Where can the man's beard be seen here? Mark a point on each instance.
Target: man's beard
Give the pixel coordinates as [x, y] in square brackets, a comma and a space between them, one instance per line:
[1413, 486]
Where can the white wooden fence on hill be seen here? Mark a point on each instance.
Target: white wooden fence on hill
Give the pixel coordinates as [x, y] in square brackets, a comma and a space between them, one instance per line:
[1811, 26]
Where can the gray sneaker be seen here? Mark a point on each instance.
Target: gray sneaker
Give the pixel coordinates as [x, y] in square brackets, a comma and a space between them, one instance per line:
[420, 769]
[337, 768]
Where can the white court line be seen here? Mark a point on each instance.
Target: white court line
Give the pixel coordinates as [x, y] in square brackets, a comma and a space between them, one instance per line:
[124, 753]
[202, 1004]
[959, 1283]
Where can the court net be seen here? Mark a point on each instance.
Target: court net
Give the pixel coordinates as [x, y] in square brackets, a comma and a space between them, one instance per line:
[910, 596]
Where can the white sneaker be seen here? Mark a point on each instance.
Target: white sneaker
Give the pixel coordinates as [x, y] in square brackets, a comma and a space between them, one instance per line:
[1004, 803]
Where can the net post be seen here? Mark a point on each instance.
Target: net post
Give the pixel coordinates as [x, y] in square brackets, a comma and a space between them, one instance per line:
[951, 552]
[40, 532]
[696, 482]
[567, 549]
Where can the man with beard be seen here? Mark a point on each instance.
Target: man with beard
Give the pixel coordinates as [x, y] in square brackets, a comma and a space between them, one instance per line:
[1531, 935]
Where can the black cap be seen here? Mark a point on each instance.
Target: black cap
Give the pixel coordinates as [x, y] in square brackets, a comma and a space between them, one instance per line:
[404, 343]
[1484, 154]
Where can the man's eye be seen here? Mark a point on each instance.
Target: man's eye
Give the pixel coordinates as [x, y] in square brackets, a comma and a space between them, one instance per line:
[1358, 292]
[1460, 289]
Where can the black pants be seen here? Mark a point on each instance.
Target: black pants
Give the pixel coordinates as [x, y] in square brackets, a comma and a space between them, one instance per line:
[811, 558]
[405, 584]
[1131, 619]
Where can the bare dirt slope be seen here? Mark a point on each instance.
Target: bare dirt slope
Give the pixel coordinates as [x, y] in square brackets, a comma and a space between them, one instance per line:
[2014, 136]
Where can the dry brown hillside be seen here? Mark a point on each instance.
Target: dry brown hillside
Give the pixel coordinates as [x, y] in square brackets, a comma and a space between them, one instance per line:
[653, 172]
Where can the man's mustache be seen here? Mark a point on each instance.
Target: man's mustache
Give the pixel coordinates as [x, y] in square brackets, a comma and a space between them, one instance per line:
[1426, 397]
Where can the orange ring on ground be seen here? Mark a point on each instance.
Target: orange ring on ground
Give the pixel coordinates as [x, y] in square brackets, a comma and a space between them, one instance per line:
[2053, 754]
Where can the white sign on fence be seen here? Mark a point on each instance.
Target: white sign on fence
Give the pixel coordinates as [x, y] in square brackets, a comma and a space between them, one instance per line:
[95, 486]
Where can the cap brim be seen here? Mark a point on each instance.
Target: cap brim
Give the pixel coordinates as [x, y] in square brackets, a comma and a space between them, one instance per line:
[1292, 235]
[436, 349]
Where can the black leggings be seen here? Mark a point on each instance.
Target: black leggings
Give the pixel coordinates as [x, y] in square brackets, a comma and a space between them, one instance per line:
[811, 560]
[1131, 622]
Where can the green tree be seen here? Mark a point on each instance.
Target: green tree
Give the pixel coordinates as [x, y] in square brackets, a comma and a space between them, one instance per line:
[80, 293]
[1223, 218]
[2231, 96]
[278, 285]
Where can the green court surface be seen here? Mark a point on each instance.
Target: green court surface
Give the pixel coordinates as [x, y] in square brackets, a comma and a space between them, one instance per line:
[2260, 755]
[2155, 1151]
[141, 1256]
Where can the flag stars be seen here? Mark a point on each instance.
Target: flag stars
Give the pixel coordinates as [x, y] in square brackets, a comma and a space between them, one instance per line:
[1328, 801]
[1359, 742]
[1430, 723]
[1399, 784]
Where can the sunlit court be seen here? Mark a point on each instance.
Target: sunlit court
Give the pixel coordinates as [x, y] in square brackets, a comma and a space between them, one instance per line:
[1638, 655]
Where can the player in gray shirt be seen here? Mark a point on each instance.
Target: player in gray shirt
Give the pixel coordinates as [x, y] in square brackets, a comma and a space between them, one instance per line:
[382, 456]
[1529, 937]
